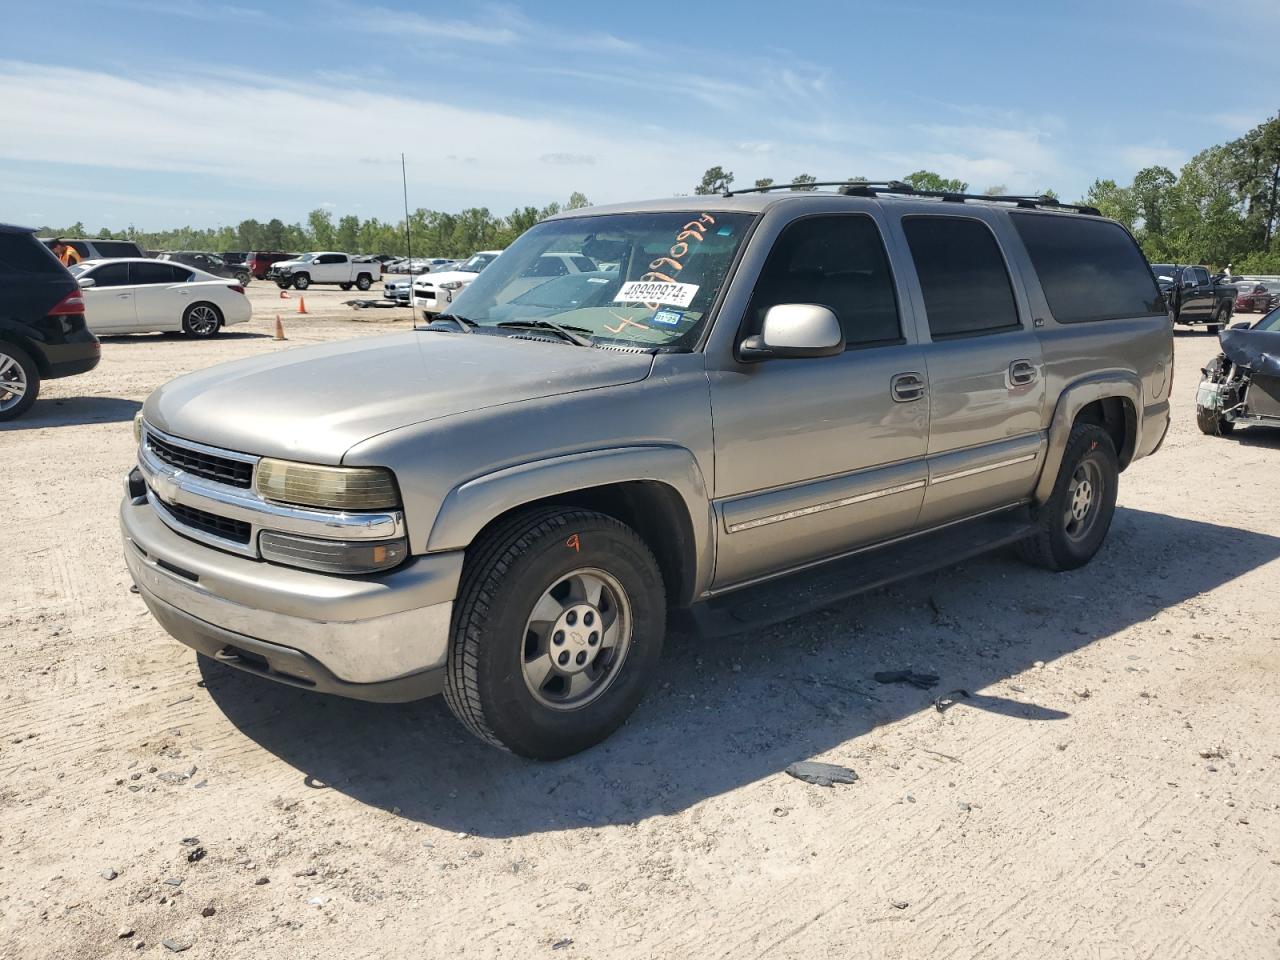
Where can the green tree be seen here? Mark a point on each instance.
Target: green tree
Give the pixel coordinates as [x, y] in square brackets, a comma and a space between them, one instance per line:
[577, 201]
[928, 180]
[715, 180]
[999, 190]
[320, 229]
[1114, 201]
[764, 182]
[803, 182]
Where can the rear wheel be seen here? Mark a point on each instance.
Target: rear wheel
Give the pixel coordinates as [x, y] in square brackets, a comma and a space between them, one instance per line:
[1221, 317]
[1075, 519]
[202, 320]
[364, 281]
[19, 381]
[557, 631]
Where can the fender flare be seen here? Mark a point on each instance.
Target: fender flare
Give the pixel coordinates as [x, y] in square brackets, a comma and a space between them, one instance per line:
[472, 505]
[1112, 383]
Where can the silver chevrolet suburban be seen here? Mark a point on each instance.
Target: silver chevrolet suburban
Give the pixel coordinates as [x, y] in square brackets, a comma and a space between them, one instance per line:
[757, 404]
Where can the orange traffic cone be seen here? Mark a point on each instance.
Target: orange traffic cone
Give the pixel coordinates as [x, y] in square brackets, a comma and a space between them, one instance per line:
[280, 329]
[302, 304]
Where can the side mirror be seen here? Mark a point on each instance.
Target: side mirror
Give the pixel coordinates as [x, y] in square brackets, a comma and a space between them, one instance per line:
[793, 330]
[87, 282]
[1241, 325]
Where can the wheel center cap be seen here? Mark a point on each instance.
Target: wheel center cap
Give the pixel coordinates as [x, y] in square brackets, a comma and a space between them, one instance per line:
[575, 638]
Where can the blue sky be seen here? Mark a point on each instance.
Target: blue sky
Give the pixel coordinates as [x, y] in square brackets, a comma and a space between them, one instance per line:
[168, 112]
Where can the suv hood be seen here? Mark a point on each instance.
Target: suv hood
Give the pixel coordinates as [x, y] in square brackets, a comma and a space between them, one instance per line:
[315, 403]
[287, 263]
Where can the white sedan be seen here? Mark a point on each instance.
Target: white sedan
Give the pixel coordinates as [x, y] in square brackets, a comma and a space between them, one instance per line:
[137, 295]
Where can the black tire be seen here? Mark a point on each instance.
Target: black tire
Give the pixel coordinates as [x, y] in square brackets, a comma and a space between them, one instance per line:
[1053, 545]
[244, 278]
[27, 371]
[508, 570]
[202, 320]
[364, 282]
[345, 286]
[284, 283]
[1221, 317]
[301, 281]
[1212, 424]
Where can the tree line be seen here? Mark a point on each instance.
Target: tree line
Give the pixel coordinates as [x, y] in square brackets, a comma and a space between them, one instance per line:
[1222, 207]
[433, 233]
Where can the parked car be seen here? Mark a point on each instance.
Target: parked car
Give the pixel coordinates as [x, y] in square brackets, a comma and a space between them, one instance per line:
[1252, 296]
[260, 261]
[784, 399]
[325, 267]
[398, 290]
[1242, 384]
[146, 296]
[1194, 297]
[99, 249]
[210, 263]
[234, 258]
[434, 293]
[43, 334]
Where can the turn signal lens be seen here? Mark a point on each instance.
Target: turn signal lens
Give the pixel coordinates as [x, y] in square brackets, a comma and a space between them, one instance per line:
[333, 488]
[332, 556]
[137, 427]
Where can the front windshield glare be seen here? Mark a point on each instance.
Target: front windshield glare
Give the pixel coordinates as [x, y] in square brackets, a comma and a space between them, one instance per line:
[640, 279]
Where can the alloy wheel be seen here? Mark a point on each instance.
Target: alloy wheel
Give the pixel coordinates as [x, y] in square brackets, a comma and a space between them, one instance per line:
[1083, 496]
[202, 320]
[576, 639]
[13, 382]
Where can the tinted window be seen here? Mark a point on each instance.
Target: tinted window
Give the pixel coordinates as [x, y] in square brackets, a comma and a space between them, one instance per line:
[838, 262]
[110, 275]
[23, 253]
[1089, 269]
[156, 272]
[331, 258]
[115, 248]
[1201, 275]
[962, 275]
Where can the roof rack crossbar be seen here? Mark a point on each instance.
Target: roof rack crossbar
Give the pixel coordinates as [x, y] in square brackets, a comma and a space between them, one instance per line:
[871, 188]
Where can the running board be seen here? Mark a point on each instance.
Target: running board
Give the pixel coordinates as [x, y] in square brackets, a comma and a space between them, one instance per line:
[816, 587]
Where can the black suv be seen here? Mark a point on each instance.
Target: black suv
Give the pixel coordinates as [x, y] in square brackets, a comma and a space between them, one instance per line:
[210, 263]
[42, 330]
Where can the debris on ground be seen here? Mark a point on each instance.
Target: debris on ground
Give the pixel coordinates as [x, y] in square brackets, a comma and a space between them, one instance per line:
[109, 874]
[821, 774]
[363, 304]
[899, 904]
[177, 946]
[949, 699]
[561, 944]
[922, 680]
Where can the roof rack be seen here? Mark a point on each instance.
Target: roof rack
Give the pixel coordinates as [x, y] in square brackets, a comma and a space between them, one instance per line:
[871, 188]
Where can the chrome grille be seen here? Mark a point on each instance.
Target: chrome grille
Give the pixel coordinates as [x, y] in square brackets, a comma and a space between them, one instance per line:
[236, 473]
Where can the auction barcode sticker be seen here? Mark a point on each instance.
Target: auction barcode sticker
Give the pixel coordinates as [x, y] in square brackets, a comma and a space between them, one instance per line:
[656, 291]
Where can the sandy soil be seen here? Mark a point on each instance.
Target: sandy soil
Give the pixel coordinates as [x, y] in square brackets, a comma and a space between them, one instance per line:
[1110, 790]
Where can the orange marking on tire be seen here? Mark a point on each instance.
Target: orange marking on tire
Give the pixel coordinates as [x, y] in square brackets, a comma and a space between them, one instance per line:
[574, 543]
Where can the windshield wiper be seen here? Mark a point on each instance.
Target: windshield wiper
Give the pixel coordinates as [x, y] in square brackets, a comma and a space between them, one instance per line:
[566, 332]
[462, 323]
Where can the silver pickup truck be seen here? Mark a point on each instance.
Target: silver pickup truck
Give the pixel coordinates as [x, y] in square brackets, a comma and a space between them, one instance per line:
[760, 403]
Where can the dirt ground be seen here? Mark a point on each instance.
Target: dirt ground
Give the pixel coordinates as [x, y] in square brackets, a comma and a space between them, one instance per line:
[1110, 790]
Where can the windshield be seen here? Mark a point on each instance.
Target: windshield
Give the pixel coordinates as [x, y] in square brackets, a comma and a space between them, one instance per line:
[652, 280]
[477, 262]
[1163, 271]
[307, 257]
[1270, 323]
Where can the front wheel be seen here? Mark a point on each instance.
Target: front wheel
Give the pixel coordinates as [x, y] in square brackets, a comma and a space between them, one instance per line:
[284, 283]
[202, 320]
[19, 381]
[345, 286]
[557, 631]
[301, 281]
[1220, 319]
[1212, 423]
[364, 281]
[1074, 521]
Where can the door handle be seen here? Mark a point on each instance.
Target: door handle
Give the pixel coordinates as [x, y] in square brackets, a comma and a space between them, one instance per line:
[906, 387]
[123, 296]
[1022, 372]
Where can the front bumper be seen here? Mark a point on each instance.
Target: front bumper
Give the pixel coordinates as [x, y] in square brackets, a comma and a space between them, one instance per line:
[381, 638]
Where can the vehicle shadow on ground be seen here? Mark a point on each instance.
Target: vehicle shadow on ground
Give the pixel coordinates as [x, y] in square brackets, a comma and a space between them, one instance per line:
[74, 411]
[1257, 436]
[731, 711]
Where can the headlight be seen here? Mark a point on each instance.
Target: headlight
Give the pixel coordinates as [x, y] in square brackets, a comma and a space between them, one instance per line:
[451, 285]
[332, 556]
[334, 488]
[137, 427]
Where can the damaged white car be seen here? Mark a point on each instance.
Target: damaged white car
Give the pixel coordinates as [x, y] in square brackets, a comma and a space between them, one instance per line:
[1242, 384]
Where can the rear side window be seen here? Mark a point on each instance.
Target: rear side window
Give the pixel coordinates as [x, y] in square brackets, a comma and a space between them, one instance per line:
[1088, 269]
[963, 277]
[23, 253]
[840, 263]
[117, 248]
[156, 272]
